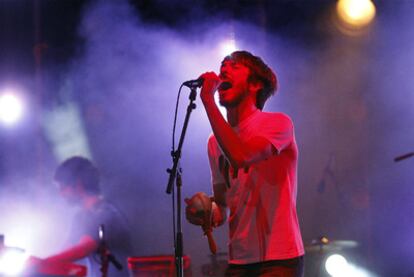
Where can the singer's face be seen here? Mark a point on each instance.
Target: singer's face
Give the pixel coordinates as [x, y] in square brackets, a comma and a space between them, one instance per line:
[237, 75]
[70, 193]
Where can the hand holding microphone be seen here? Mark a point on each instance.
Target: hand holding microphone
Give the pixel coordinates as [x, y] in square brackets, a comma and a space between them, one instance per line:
[209, 81]
[198, 212]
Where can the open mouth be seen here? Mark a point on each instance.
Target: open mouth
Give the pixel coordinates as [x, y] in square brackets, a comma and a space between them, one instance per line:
[225, 86]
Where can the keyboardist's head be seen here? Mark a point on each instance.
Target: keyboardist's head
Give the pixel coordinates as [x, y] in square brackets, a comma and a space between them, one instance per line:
[76, 178]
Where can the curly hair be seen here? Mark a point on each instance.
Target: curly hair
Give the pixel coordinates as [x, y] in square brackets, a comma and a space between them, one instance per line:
[259, 72]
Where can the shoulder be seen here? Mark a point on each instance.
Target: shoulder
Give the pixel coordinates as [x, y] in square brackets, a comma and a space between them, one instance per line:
[108, 210]
[277, 118]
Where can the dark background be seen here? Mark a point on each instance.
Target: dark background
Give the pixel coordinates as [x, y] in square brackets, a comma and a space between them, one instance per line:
[117, 65]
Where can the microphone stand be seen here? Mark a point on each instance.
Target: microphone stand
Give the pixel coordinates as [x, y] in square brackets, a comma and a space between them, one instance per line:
[175, 175]
[105, 255]
[403, 157]
[1, 242]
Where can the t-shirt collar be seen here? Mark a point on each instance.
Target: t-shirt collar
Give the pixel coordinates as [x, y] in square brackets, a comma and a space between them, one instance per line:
[246, 121]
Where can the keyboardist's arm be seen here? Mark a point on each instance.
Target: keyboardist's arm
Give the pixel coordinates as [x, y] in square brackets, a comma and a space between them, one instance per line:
[86, 246]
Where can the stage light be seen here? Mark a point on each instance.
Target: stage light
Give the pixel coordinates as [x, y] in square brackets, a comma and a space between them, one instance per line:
[227, 47]
[356, 13]
[11, 108]
[12, 261]
[336, 265]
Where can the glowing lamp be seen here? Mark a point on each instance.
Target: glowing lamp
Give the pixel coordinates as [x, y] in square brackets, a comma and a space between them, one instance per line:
[227, 47]
[336, 265]
[11, 108]
[12, 261]
[356, 13]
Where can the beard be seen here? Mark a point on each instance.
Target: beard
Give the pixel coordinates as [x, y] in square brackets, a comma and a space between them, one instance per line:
[229, 103]
[234, 100]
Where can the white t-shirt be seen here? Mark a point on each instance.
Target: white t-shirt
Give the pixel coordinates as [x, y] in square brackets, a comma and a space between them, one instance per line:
[263, 223]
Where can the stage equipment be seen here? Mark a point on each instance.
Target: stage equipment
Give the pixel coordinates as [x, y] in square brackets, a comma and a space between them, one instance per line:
[11, 108]
[36, 267]
[336, 265]
[228, 46]
[319, 251]
[199, 211]
[197, 83]
[155, 266]
[323, 244]
[356, 13]
[175, 177]
[403, 157]
[12, 261]
[105, 255]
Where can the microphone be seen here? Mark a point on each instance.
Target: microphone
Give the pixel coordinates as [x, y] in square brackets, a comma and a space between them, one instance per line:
[197, 83]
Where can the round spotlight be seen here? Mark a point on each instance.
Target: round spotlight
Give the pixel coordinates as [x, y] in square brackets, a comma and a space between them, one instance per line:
[356, 13]
[336, 265]
[11, 108]
[12, 261]
[227, 47]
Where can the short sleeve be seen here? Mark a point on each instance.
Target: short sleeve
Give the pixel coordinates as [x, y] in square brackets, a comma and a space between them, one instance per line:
[214, 154]
[278, 130]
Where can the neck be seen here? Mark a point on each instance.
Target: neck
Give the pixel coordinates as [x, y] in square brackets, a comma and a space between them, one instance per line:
[237, 114]
[90, 201]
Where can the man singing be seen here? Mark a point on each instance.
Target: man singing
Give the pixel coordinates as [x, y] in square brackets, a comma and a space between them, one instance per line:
[253, 159]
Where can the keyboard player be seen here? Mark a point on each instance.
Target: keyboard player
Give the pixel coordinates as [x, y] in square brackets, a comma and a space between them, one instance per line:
[78, 181]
